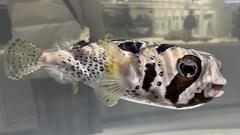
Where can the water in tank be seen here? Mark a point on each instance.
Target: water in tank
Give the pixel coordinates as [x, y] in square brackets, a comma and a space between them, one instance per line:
[122, 67]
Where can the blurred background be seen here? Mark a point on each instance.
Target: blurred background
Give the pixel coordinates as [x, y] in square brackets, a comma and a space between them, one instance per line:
[37, 105]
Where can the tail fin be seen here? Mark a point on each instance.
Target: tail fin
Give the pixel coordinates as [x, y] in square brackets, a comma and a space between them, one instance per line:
[22, 58]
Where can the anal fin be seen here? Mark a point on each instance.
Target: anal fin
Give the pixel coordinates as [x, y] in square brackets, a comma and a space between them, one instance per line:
[75, 87]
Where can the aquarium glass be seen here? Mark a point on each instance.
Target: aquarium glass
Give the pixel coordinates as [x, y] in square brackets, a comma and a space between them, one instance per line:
[39, 105]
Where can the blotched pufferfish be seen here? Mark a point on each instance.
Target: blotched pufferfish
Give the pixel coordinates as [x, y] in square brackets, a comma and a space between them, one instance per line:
[150, 73]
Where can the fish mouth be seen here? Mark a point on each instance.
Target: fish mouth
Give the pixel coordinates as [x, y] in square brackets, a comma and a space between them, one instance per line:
[217, 87]
[216, 90]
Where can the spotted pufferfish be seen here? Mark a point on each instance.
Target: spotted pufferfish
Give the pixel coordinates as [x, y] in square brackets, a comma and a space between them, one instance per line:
[150, 73]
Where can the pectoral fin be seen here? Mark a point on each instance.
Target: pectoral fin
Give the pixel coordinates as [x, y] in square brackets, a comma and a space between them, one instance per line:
[109, 90]
[109, 87]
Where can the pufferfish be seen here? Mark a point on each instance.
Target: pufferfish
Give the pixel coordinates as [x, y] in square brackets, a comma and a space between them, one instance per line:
[144, 72]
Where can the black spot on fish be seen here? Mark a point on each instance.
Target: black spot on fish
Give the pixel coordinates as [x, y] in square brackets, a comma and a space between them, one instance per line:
[152, 92]
[93, 71]
[156, 97]
[161, 73]
[180, 83]
[130, 46]
[100, 62]
[101, 68]
[73, 68]
[95, 59]
[137, 87]
[150, 74]
[134, 91]
[139, 61]
[159, 83]
[163, 47]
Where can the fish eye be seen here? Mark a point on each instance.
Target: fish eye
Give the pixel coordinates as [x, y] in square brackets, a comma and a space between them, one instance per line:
[187, 67]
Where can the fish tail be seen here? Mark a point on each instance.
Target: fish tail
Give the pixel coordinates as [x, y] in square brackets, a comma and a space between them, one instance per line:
[22, 58]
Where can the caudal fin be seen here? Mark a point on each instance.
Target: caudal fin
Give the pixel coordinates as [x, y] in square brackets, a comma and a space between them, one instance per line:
[22, 58]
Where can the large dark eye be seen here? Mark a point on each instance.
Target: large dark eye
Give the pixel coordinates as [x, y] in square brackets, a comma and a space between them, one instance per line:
[187, 67]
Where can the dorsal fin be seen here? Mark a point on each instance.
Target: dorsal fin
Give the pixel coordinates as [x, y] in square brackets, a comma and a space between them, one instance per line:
[82, 40]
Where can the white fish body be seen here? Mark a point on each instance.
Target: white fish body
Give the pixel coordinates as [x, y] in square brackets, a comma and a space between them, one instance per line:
[143, 72]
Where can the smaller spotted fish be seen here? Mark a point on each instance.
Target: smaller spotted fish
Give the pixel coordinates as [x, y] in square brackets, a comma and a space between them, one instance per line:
[144, 72]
